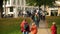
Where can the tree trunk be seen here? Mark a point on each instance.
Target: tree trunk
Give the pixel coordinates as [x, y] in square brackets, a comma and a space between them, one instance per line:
[44, 8]
[1, 8]
[39, 7]
[0, 13]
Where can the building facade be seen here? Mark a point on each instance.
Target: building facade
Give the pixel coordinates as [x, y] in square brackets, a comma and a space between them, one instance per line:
[54, 10]
[12, 8]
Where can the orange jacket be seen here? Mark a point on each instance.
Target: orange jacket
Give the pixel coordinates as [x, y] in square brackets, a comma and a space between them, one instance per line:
[34, 29]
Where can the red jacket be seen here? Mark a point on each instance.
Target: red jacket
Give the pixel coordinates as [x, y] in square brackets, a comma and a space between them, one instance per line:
[53, 29]
[22, 26]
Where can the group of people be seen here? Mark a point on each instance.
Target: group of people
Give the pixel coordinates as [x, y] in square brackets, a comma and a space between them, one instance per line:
[36, 17]
[25, 28]
[40, 13]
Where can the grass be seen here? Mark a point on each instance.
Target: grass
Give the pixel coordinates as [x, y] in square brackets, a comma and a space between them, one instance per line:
[11, 25]
[56, 19]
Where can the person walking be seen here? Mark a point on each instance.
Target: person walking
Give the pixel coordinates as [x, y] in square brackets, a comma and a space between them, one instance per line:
[36, 19]
[25, 28]
[43, 16]
[34, 29]
[53, 28]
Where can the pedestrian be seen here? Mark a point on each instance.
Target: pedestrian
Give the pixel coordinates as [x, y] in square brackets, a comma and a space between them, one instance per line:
[25, 28]
[53, 28]
[34, 29]
[36, 19]
[41, 11]
[43, 16]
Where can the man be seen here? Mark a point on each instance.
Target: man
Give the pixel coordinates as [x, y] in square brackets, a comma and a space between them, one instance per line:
[36, 19]
[25, 29]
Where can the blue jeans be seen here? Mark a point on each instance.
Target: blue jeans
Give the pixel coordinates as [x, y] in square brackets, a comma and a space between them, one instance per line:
[37, 23]
[25, 32]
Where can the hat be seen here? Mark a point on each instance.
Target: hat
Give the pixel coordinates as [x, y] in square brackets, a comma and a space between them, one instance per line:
[33, 23]
[53, 23]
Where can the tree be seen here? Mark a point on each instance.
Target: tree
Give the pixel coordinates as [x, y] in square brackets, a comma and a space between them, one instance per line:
[42, 2]
[30, 2]
[1, 8]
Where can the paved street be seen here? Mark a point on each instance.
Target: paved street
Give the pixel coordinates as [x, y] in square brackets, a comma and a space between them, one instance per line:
[43, 28]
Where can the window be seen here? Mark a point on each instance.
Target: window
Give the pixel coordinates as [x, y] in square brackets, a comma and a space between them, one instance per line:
[14, 2]
[18, 2]
[8, 1]
[11, 9]
[22, 2]
[54, 12]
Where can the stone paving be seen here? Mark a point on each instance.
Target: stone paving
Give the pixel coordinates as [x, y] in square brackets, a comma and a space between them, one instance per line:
[43, 31]
[43, 28]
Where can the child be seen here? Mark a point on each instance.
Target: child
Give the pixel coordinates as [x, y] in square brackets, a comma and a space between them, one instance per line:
[53, 28]
[34, 29]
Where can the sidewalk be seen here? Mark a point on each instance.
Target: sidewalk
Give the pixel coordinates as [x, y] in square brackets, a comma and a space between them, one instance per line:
[43, 31]
[43, 28]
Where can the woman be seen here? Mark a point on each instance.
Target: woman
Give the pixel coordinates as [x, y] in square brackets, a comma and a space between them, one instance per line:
[34, 29]
[53, 28]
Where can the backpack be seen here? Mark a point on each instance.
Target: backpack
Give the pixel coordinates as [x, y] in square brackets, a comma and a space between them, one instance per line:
[26, 26]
